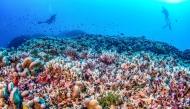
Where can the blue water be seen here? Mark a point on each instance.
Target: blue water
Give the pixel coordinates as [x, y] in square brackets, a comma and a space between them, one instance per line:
[106, 17]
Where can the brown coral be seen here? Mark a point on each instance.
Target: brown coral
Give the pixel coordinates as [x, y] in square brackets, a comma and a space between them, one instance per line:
[35, 67]
[26, 62]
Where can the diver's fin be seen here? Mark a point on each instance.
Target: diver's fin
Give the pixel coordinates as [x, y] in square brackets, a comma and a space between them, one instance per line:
[40, 22]
[165, 26]
[170, 27]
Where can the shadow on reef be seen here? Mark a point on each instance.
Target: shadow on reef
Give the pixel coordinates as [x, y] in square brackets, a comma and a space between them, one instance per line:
[17, 41]
[72, 33]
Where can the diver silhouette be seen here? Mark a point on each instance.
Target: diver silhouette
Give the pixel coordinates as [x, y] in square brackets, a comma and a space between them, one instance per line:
[165, 12]
[50, 20]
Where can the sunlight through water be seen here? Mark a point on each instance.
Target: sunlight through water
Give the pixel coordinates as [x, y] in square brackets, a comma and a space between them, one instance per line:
[173, 1]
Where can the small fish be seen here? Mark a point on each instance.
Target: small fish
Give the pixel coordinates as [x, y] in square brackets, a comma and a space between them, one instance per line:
[122, 34]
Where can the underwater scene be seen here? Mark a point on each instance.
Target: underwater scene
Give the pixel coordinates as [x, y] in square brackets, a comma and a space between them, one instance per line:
[94, 54]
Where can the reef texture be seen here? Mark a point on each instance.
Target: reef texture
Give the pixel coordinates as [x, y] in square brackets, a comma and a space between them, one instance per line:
[72, 33]
[94, 72]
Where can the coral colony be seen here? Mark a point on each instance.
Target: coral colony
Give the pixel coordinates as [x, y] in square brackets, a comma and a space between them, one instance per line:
[94, 72]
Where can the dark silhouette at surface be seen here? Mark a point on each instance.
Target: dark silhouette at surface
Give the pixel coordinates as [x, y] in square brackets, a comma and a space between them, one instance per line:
[165, 12]
[19, 40]
[50, 20]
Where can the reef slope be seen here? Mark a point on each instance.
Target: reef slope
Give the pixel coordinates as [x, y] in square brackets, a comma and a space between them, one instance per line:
[94, 72]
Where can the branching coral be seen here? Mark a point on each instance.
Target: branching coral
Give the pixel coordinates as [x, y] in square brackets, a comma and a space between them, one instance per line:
[71, 53]
[107, 58]
[130, 80]
[34, 53]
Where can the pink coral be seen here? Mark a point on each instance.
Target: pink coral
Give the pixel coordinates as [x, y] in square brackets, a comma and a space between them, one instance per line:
[68, 84]
[107, 59]
[71, 53]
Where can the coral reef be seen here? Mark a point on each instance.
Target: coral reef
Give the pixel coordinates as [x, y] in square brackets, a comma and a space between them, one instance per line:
[94, 72]
[186, 54]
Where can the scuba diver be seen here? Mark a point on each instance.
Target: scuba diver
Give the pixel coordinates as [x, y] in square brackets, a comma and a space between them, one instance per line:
[50, 20]
[165, 12]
